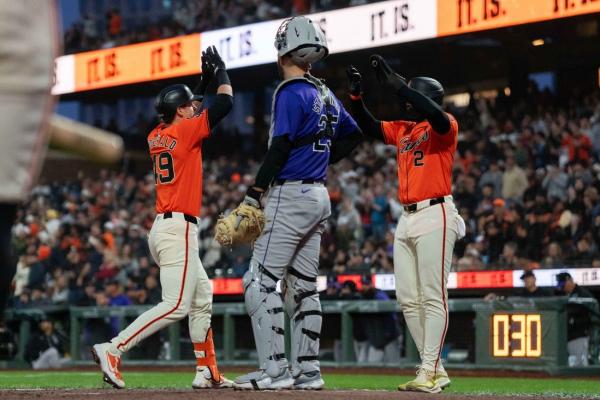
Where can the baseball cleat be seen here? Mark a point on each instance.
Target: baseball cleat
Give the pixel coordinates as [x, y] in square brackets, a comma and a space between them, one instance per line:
[109, 364]
[204, 380]
[424, 382]
[260, 380]
[309, 381]
[442, 379]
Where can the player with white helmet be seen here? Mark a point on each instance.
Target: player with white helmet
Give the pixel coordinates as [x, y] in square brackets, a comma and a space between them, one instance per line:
[310, 129]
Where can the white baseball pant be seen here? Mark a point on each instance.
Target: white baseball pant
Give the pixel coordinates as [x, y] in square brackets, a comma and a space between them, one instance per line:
[423, 247]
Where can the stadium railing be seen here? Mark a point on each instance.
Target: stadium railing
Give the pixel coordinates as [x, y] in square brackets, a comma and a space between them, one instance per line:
[515, 332]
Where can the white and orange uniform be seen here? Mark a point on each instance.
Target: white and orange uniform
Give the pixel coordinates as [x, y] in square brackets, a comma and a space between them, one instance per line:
[29, 37]
[426, 232]
[173, 240]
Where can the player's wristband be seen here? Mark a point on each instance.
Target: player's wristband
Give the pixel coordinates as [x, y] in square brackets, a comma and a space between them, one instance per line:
[255, 194]
[355, 97]
[222, 77]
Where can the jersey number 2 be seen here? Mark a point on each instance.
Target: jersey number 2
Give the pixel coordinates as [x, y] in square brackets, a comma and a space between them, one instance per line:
[418, 156]
[162, 165]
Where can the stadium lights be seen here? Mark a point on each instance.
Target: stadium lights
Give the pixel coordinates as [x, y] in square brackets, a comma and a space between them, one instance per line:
[538, 42]
[459, 99]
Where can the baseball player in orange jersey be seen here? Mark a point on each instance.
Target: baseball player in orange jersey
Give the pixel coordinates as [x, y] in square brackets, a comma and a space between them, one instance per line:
[424, 241]
[175, 149]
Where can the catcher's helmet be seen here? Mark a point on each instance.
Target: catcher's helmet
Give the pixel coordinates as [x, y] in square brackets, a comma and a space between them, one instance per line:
[303, 40]
[170, 98]
[429, 87]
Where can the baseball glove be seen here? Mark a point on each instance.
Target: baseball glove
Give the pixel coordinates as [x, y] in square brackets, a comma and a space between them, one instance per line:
[243, 225]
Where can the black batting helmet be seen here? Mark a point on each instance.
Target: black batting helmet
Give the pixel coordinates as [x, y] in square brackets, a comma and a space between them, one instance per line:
[170, 98]
[429, 87]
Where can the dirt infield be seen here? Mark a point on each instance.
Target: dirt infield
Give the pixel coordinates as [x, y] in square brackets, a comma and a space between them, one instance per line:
[225, 394]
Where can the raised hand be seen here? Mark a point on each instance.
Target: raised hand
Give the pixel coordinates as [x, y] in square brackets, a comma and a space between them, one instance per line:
[354, 80]
[385, 74]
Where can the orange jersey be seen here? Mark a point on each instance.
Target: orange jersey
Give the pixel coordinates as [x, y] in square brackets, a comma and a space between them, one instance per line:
[425, 158]
[177, 162]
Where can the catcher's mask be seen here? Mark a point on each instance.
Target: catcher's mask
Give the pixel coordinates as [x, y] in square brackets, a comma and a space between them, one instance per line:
[301, 39]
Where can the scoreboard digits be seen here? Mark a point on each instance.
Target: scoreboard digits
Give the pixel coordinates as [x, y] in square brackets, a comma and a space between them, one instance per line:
[516, 335]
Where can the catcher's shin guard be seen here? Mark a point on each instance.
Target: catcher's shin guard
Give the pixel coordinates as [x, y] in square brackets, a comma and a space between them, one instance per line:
[265, 308]
[304, 307]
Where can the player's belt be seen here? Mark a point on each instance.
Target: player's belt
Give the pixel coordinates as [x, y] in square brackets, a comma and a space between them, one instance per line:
[279, 182]
[187, 217]
[422, 204]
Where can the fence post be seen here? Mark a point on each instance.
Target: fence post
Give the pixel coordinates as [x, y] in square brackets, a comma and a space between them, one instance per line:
[228, 336]
[24, 332]
[174, 340]
[347, 337]
[75, 333]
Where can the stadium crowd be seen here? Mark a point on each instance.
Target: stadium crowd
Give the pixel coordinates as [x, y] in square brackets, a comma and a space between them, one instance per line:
[526, 181]
[180, 17]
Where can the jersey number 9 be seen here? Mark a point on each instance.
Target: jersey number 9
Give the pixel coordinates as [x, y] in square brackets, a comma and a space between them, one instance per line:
[162, 165]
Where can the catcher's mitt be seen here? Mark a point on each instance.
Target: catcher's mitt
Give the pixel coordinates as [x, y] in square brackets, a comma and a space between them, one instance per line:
[243, 225]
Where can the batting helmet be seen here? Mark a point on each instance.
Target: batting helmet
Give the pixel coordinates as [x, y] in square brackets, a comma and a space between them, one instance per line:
[170, 98]
[429, 87]
[303, 40]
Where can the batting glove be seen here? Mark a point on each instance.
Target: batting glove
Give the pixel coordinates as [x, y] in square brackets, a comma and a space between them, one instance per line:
[385, 74]
[354, 80]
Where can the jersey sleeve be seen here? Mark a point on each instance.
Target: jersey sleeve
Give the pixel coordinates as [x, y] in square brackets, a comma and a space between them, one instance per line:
[450, 136]
[393, 130]
[194, 130]
[346, 123]
[288, 114]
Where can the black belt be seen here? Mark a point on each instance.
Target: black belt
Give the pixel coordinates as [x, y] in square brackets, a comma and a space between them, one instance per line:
[279, 182]
[432, 202]
[187, 217]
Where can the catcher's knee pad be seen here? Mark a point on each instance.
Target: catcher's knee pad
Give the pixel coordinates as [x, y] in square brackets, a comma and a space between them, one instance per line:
[265, 308]
[304, 307]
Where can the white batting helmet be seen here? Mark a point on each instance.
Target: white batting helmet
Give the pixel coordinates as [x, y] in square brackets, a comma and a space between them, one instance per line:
[303, 40]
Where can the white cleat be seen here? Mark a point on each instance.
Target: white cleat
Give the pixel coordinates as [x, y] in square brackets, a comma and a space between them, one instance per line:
[109, 364]
[442, 379]
[204, 380]
[424, 382]
[260, 380]
[309, 381]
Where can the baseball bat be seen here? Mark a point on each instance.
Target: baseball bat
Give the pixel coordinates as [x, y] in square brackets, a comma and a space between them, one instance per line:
[85, 140]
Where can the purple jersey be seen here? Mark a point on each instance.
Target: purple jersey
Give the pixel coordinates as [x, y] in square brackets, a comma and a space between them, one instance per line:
[300, 111]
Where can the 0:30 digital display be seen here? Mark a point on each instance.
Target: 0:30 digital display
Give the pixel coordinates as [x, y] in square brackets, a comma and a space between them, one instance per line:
[516, 335]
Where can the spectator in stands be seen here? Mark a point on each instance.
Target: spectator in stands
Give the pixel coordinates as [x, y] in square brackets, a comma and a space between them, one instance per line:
[113, 18]
[348, 224]
[531, 289]
[514, 181]
[554, 258]
[492, 177]
[577, 145]
[379, 211]
[578, 320]
[508, 259]
[332, 290]
[90, 31]
[381, 330]
[45, 348]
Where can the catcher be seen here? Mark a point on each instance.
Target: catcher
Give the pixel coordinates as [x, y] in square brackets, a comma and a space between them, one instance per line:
[309, 130]
[175, 149]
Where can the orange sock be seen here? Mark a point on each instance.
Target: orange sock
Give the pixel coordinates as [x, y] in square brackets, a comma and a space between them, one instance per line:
[206, 357]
